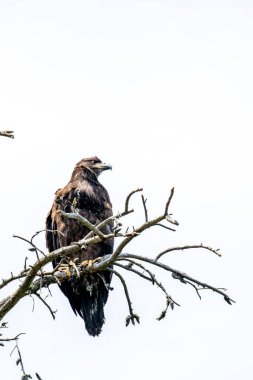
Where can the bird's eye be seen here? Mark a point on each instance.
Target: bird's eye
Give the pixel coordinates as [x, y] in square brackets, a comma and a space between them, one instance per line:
[93, 162]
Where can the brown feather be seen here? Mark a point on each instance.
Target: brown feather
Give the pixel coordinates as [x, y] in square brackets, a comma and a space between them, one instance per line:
[86, 195]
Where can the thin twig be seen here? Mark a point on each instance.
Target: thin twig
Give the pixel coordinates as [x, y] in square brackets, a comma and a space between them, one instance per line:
[168, 202]
[184, 247]
[111, 219]
[46, 304]
[132, 317]
[11, 339]
[34, 247]
[12, 278]
[129, 196]
[144, 201]
[38, 376]
[168, 228]
[172, 221]
[45, 230]
[137, 231]
[178, 273]
[7, 134]
[80, 219]
[152, 278]
[119, 215]
[20, 361]
[133, 270]
[181, 279]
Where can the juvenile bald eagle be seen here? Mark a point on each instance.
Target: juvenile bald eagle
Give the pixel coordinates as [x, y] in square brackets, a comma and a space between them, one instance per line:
[83, 194]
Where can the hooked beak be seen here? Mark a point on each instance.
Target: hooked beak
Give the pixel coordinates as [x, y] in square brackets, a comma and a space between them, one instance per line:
[102, 166]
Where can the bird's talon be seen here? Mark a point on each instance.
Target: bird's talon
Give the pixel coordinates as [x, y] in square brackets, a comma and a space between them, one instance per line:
[65, 268]
[89, 263]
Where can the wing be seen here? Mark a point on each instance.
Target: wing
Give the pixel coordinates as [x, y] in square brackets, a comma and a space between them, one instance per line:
[52, 240]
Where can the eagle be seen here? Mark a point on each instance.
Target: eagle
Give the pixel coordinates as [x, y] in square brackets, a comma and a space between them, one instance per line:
[85, 195]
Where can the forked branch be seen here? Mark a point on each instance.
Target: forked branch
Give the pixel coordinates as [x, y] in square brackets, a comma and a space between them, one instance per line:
[34, 277]
[132, 317]
[7, 133]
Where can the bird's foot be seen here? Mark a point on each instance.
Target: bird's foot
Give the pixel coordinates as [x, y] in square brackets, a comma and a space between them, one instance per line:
[65, 268]
[70, 268]
[89, 263]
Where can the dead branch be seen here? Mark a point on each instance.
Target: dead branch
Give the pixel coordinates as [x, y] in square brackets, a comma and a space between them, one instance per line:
[12, 278]
[7, 133]
[34, 247]
[216, 251]
[4, 325]
[52, 312]
[176, 274]
[144, 201]
[132, 317]
[167, 228]
[131, 269]
[128, 198]
[19, 361]
[10, 339]
[115, 219]
[34, 278]
[80, 219]
[38, 376]
[168, 202]
[169, 301]
[139, 230]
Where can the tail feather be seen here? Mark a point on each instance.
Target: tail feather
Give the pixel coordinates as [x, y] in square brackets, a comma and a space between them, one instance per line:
[88, 298]
[92, 309]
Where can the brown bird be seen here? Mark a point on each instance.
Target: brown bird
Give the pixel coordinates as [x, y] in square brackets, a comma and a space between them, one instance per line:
[85, 195]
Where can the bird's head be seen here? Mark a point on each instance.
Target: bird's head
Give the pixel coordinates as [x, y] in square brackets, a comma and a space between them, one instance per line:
[94, 164]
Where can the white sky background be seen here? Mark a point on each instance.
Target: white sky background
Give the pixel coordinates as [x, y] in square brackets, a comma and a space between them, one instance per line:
[162, 90]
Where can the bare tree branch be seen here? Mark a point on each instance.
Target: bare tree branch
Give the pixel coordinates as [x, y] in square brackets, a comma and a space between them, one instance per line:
[11, 339]
[169, 301]
[52, 312]
[139, 230]
[7, 134]
[168, 228]
[35, 278]
[25, 376]
[132, 317]
[168, 202]
[4, 325]
[128, 198]
[84, 222]
[38, 376]
[216, 251]
[131, 269]
[178, 274]
[144, 201]
[12, 278]
[34, 247]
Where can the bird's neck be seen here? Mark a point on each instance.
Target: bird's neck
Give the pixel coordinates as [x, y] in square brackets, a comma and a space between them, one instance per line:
[81, 174]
